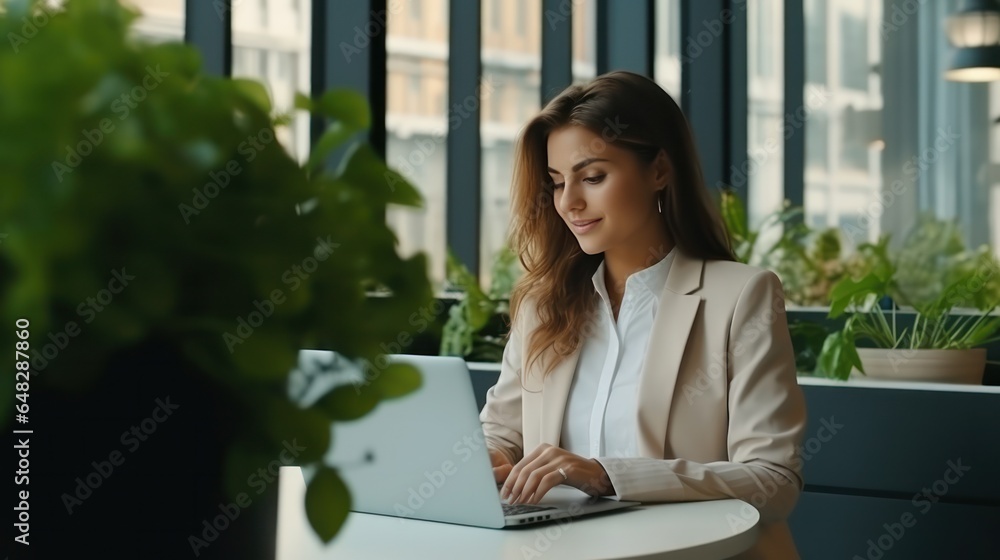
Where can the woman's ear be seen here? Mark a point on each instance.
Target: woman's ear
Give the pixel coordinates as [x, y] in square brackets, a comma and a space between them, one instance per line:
[663, 170]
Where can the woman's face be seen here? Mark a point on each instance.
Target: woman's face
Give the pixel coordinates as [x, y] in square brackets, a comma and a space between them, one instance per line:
[597, 182]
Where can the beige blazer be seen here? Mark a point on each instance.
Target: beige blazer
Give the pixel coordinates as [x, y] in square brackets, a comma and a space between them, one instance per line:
[720, 415]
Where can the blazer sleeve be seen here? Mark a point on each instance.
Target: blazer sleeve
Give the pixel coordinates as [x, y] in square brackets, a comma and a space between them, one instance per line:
[501, 416]
[767, 419]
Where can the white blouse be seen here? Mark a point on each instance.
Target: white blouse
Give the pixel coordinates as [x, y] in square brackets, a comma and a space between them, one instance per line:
[600, 417]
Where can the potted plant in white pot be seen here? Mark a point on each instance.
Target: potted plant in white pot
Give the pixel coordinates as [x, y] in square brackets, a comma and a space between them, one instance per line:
[952, 293]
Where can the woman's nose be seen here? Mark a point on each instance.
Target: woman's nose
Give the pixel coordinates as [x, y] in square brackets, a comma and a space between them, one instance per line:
[570, 199]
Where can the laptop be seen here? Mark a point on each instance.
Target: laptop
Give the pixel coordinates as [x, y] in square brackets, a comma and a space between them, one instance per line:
[423, 455]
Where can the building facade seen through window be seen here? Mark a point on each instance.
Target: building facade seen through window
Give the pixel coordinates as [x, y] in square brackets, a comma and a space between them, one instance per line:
[417, 124]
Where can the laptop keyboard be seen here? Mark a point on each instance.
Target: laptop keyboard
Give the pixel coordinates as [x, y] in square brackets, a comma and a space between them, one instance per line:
[517, 509]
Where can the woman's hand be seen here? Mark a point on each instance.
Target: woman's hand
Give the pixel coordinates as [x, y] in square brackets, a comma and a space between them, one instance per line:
[501, 465]
[538, 472]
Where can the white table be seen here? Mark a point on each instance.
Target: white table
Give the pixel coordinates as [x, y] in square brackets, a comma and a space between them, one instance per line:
[681, 531]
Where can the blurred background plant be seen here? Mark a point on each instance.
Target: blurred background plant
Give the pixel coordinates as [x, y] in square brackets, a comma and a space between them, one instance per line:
[808, 261]
[475, 327]
[122, 155]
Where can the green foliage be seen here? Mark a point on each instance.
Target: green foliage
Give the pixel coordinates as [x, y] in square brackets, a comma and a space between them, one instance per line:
[121, 155]
[464, 333]
[934, 274]
[808, 261]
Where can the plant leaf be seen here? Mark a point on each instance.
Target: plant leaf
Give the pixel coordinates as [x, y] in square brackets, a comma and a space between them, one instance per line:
[265, 355]
[334, 135]
[253, 91]
[348, 402]
[328, 502]
[397, 380]
[401, 191]
[303, 101]
[849, 291]
[347, 106]
[366, 170]
[839, 355]
[305, 429]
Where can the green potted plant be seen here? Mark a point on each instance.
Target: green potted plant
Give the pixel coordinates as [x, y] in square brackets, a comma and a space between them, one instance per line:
[935, 276]
[159, 243]
[473, 322]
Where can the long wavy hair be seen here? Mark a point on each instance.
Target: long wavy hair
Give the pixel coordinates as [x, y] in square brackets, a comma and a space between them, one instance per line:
[629, 111]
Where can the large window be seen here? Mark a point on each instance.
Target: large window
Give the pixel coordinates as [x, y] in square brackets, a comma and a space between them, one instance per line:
[886, 137]
[668, 48]
[762, 172]
[511, 95]
[271, 44]
[160, 20]
[816, 39]
[844, 101]
[417, 126]
[948, 160]
[584, 40]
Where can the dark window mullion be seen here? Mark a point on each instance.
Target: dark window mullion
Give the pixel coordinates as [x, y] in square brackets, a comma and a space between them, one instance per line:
[737, 89]
[557, 48]
[624, 42]
[703, 80]
[208, 27]
[344, 63]
[462, 196]
[794, 102]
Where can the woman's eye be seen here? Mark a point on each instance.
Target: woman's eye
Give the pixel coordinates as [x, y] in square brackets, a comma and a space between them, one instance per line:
[589, 180]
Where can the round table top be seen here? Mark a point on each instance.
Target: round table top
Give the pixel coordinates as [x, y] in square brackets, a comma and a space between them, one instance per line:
[684, 530]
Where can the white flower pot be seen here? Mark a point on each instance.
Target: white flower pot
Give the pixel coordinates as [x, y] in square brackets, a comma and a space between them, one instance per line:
[942, 366]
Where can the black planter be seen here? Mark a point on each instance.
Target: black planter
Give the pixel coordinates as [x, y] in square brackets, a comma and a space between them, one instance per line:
[98, 489]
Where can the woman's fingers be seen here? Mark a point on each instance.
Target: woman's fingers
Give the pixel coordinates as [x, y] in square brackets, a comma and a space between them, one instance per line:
[512, 486]
[531, 482]
[546, 483]
[528, 472]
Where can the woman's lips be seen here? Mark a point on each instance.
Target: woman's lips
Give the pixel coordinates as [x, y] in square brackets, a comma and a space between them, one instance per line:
[586, 227]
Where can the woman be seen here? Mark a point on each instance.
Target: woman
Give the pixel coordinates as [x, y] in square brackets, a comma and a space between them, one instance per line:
[644, 362]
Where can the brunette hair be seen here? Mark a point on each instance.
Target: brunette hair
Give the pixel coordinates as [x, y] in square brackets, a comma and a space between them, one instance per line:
[632, 112]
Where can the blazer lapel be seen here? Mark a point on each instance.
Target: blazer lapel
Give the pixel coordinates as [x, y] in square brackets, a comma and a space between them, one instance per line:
[667, 341]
